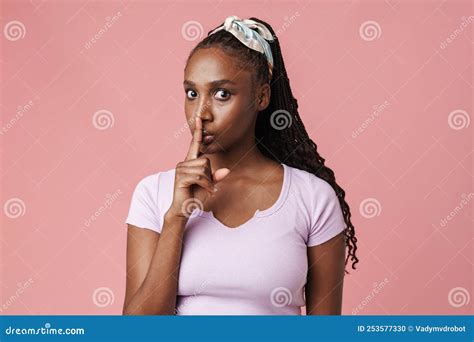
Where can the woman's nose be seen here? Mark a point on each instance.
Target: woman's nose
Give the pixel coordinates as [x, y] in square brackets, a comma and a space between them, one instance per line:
[204, 110]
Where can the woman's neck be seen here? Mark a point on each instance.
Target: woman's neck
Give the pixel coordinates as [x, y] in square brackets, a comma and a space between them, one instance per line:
[241, 160]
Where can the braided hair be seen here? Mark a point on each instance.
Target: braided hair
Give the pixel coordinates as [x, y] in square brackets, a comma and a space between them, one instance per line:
[291, 145]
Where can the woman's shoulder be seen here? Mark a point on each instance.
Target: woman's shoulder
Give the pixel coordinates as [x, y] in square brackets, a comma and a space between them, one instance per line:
[158, 178]
[152, 196]
[324, 215]
[309, 182]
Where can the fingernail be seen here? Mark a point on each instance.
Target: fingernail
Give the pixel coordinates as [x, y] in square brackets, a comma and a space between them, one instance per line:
[215, 189]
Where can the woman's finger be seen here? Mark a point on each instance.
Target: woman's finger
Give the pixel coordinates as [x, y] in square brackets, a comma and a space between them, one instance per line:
[196, 141]
[195, 179]
[197, 170]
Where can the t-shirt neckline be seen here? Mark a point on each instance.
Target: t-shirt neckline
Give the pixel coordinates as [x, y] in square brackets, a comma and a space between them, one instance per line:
[258, 213]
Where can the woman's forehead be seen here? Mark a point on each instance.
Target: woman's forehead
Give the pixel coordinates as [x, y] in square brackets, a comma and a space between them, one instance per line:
[208, 65]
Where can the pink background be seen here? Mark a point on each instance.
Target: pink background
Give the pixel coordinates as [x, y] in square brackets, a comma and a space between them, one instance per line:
[406, 169]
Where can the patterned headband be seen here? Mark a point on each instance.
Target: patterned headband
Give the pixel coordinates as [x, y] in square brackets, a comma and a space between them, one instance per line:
[252, 34]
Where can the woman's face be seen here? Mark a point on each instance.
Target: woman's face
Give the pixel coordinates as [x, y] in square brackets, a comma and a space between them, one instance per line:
[225, 98]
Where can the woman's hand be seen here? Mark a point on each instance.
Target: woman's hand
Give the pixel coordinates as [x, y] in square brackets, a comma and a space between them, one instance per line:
[193, 172]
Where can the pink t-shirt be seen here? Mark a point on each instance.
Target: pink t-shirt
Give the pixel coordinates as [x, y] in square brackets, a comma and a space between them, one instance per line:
[257, 268]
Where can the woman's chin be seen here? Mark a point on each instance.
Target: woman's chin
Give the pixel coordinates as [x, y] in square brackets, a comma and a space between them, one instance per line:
[210, 148]
[206, 148]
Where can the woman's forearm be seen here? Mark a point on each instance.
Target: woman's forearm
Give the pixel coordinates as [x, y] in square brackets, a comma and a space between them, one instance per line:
[157, 294]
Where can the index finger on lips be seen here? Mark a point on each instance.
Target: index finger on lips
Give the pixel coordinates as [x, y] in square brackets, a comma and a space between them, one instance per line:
[196, 141]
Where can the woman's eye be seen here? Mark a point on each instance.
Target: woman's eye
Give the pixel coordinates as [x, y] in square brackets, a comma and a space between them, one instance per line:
[222, 94]
[190, 93]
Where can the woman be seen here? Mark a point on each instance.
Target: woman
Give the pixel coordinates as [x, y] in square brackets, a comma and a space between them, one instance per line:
[251, 222]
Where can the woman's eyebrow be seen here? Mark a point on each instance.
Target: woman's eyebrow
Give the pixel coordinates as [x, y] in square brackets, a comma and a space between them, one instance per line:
[210, 84]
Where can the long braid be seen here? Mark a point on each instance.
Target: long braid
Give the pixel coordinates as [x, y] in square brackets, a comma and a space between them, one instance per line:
[290, 145]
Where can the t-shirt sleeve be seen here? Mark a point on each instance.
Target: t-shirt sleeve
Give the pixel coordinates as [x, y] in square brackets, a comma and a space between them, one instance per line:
[327, 220]
[144, 211]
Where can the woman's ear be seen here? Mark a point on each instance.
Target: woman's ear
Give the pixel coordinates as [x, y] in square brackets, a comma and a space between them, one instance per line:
[263, 98]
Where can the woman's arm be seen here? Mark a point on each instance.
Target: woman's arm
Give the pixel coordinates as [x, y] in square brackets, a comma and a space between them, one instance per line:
[152, 268]
[324, 285]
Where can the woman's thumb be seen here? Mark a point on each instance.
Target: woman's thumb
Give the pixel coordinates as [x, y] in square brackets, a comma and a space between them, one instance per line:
[220, 174]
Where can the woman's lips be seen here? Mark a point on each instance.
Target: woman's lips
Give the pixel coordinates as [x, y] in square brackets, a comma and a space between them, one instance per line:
[208, 139]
